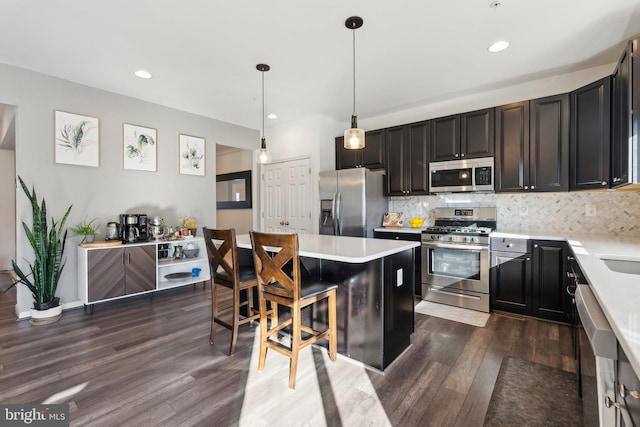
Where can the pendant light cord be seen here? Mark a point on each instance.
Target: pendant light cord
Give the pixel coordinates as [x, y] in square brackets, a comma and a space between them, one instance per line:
[354, 69]
[262, 104]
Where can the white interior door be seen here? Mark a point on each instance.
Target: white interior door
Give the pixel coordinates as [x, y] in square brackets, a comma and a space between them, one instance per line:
[287, 197]
[273, 197]
[299, 193]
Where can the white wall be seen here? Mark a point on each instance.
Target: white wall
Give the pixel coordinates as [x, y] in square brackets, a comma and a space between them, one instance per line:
[7, 209]
[106, 191]
[489, 98]
[240, 219]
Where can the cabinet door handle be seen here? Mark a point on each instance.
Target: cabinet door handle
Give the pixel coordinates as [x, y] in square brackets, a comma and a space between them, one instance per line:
[128, 258]
[616, 179]
[457, 154]
[624, 391]
[533, 187]
[604, 182]
[535, 246]
[462, 155]
[528, 259]
[526, 187]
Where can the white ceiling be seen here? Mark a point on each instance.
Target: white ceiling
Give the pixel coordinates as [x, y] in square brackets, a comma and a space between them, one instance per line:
[203, 54]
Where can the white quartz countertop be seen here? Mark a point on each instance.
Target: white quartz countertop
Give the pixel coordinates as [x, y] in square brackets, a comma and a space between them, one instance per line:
[617, 293]
[341, 248]
[401, 229]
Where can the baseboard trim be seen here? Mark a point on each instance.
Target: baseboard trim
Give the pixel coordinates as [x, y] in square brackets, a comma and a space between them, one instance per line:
[22, 315]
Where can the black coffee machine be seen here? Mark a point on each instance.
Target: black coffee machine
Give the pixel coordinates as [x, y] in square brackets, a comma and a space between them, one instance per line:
[133, 228]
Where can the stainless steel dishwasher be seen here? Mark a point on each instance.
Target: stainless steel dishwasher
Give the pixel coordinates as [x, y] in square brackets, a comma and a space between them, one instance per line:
[598, 355]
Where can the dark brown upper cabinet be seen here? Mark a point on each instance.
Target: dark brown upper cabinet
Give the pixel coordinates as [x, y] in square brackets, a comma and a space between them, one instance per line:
[477, 137]
[549, 143]
[461, 136]
[532, 145]
[512, 147]
[372, 156]
[590, 136]
[624, 114]
[408, 159]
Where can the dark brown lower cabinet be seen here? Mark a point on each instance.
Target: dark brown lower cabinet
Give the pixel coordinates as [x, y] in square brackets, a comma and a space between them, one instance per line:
[121, 271]
[510, 279]
[532, 284]
[550, 300]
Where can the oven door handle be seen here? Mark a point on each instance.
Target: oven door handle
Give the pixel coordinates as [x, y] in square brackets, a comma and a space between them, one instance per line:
[456, 246]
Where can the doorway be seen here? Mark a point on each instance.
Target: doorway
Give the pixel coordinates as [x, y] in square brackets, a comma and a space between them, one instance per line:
[229, 160]
[7, 186]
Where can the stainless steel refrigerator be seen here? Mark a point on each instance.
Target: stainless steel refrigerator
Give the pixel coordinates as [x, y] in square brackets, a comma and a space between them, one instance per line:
[352, 202]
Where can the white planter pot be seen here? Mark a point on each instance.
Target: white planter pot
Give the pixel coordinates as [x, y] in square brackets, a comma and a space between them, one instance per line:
[43, 317]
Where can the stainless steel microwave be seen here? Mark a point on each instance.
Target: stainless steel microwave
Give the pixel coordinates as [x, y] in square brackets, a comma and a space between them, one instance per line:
[461, 175]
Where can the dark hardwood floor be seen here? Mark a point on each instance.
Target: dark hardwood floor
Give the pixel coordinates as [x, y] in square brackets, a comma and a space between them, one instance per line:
[147, 361]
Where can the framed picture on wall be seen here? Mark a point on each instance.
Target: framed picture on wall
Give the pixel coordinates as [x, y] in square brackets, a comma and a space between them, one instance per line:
[140, 147]
[192, 160]
[77, 139]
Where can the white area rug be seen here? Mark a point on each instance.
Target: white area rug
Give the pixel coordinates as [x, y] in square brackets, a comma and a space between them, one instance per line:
[457, 314]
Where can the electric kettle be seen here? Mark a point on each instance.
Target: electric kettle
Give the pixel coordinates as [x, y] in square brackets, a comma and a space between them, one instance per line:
[113, 231]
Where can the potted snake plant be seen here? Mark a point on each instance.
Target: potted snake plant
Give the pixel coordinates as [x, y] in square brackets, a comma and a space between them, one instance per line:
[44, 273]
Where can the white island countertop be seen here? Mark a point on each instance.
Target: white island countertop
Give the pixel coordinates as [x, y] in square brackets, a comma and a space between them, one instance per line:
[617, 293]
[341, 248]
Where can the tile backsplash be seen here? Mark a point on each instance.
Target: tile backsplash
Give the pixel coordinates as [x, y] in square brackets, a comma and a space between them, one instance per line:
[610, 212]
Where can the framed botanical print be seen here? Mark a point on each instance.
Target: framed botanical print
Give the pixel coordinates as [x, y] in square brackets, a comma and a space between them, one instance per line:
[192, 160]
[140, 147]
[77, 139]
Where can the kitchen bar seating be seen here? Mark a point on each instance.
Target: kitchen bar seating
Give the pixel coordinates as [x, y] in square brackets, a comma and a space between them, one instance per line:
[278, 271]
[226, 271]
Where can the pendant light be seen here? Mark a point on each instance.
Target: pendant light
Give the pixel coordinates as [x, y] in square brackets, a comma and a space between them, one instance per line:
[354, 137]
[262, 155]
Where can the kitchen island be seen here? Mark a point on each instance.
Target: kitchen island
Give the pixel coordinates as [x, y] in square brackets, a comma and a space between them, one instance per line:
[375, 292]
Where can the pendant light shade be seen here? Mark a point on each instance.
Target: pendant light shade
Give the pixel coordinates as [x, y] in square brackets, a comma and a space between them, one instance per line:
[262, 155]
[354, 137]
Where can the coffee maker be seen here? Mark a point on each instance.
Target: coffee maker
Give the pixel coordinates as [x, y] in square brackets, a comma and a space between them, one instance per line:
[133, 228]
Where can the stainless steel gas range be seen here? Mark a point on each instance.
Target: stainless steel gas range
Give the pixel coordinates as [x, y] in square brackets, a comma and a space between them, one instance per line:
[455, 257]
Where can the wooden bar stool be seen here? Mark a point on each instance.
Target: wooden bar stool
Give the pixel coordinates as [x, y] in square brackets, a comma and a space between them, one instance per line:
[277, 265]
[226, 271]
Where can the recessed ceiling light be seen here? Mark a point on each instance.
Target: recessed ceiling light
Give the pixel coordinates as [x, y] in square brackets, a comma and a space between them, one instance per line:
[272, 116]
[143, 74]
[498, 46]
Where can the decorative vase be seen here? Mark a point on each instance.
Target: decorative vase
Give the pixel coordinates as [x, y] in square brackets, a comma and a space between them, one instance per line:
[46, 313]
[193, 231]
[89, 238]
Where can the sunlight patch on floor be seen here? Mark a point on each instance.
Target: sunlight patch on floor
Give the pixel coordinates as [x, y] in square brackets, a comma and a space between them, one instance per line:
[65, 395]
[268, 400]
